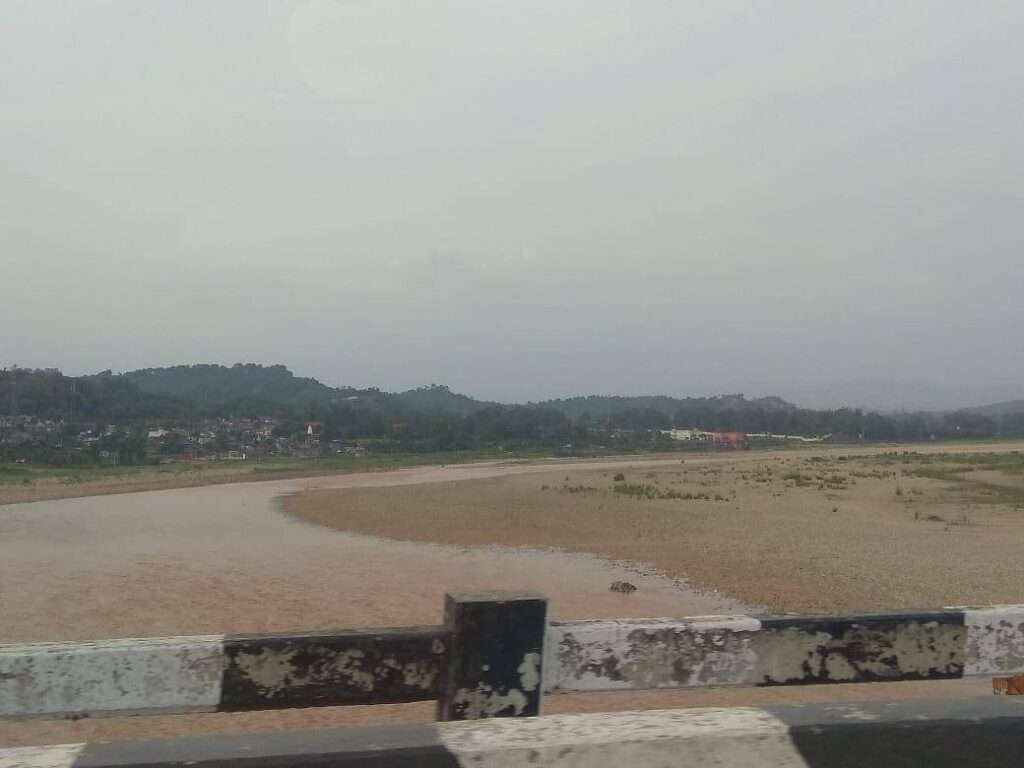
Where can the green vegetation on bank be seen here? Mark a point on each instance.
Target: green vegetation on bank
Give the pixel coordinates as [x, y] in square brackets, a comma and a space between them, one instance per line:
[265, 469]
[1003, 483]
[653, 491]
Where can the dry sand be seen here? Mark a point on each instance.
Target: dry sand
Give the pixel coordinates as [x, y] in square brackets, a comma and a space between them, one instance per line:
[200, 474]
[790, 532]
[224, 559]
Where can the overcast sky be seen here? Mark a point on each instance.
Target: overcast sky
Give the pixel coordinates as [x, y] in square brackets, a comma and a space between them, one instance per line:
[821, 200]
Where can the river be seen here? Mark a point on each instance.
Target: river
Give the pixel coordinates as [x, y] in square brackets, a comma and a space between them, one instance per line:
[224, 558]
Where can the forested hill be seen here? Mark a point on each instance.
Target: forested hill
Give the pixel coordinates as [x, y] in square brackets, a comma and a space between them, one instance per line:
[998, 410]
[722, 412]
[252, 384]
[440, 400]
[207, 391]
[436, 418]
[601, 407]
[223, 384]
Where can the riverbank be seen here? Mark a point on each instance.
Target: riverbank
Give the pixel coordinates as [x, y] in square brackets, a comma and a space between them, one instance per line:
[20, 484]
[26, 483]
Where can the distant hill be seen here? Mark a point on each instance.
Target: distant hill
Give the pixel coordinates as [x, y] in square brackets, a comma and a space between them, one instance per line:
[436, 418]
[250, 388]
[251, 383]
[603, 407]
[182, 392]
[50, 394]
[207, 390]
[999, 410]
[220, 384]
[439, 399]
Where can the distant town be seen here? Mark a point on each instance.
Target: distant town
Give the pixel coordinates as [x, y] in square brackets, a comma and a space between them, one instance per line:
[253, 439]
[210, 440]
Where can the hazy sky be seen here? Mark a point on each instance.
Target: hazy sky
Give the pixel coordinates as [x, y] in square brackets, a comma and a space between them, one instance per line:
[526, 199]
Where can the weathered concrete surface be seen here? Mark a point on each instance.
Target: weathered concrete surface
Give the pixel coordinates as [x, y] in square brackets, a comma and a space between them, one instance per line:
[321, 669]
[652, 653]
[747, 650]
[179, 674]
[727, 737]
[995, 640]
[926, 646]
[499, 661]
[57, 756]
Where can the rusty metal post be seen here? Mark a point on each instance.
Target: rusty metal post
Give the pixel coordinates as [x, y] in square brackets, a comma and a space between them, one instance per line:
[495, 656]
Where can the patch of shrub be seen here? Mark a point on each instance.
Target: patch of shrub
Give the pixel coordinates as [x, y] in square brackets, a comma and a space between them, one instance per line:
[798, 478]
[647, 491]
[578, 488]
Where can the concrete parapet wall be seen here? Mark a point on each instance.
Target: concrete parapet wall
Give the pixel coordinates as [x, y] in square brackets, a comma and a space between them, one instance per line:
[497, 656]
[783, 650]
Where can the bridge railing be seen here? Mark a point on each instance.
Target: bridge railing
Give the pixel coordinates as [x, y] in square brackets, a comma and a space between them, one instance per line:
[496, 656]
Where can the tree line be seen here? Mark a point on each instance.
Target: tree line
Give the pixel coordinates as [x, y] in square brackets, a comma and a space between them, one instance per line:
[435, 419]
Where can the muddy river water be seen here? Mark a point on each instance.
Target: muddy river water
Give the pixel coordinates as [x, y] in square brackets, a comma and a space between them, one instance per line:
[224, 558]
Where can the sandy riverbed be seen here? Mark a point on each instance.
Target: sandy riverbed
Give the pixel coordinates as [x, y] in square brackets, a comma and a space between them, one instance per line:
[809, 533]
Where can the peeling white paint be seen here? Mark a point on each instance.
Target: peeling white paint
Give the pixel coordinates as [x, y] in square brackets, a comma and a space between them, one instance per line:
[650, 653]
[59, 756]
[995, 640]
[782, 653]
[738, 738]
[274, 671]
[485, 702]
[529, 672]
[910, 648]
[269, 670]
[743, 650]
[181, 674]
[420, 674]
[350, 665]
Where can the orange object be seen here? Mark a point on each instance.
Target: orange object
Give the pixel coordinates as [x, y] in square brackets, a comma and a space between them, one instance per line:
[1008, 686]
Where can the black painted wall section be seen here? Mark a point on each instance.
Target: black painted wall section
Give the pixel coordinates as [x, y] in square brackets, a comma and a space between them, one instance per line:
[332, 668]
[495, 661]
[881, 647]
